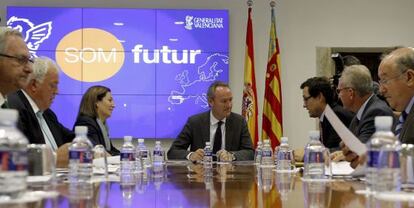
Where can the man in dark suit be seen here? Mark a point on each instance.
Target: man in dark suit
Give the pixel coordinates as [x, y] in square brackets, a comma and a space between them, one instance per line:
[317, 93]
[15, 63]
[233, 142]
[36, 120]
[355, 89]
[356, 93]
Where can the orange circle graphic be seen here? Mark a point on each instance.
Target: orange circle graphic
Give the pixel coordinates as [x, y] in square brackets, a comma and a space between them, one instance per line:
[90, 55]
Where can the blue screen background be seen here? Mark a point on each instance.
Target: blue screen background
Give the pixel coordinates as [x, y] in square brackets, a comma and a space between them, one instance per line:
[152, 100]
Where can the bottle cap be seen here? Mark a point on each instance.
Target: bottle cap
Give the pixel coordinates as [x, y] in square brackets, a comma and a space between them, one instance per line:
[158, 142]
[140, 140]
[383, 122]
[267, 141]
[208, 143]
[81, 129]
[314, 134]
[127, 138]
[284, 140]
[9, 115]
[259, 142]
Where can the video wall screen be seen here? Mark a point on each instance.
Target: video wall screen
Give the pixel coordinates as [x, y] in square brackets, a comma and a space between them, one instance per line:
[158, 63]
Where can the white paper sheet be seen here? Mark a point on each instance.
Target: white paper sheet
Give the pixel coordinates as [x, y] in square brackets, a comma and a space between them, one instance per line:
[346, 135]
[341, 168]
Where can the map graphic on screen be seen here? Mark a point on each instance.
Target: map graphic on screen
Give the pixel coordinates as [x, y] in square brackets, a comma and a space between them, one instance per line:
[158, 63]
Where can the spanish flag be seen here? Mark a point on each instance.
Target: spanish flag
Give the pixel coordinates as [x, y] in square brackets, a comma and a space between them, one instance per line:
[249, 106]
[272, 105]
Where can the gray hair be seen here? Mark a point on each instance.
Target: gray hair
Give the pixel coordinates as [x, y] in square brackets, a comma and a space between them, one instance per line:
[6, 32]
[213, 86]
[359, 78]
[406, 61]
[41, 66]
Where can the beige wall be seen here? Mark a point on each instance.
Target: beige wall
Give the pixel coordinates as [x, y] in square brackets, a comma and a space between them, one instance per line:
[302, 25]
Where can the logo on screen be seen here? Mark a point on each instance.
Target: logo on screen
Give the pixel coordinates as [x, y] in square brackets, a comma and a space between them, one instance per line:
[188, 22]
[192, 22]
[90, 55]
[34, 35]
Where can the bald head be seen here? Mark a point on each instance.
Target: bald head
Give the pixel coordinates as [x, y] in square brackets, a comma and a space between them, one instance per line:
[396, 73]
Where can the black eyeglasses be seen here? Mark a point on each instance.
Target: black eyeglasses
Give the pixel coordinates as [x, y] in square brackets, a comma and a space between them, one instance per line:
[340, 89]
[22, 60]
[305, 99]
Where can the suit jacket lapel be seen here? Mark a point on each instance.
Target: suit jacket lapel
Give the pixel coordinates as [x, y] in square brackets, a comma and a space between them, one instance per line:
[229, 132]
[353, 126]
[38, 132]
[51, 123]
[205, 130]
[408, 121]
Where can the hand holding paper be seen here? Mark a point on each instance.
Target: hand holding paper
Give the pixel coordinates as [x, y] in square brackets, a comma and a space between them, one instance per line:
[350, 140]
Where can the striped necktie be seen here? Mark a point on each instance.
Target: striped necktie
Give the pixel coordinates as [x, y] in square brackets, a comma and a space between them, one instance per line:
[400, 123]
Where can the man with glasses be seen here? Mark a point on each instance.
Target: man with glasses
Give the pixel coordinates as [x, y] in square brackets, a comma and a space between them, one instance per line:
[356, 93]
[317, 93]
[15, 63]
[396, 73]
[36, 120]
[355, 89]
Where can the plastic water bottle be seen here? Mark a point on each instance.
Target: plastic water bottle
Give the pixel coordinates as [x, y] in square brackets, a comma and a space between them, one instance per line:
[316, 158]
[143, 152]
[158, 160]
[258, 153]
[80, 157]
[139, 164]
[208, 157]
[382, 136]
[13, 156]
[284, 156]
[389, 178]
[267, 155]
[127, 156]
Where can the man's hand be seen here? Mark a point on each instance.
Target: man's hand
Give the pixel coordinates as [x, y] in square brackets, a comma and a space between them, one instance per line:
[351, 157]
[197, 155]
[337, 156]
[225, 156]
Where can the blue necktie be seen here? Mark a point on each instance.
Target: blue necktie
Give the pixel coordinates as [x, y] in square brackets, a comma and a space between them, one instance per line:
[400, 123]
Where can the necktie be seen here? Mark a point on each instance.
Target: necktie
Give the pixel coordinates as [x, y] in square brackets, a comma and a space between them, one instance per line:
[47, 134]
[354, 125]
[217, 138]
[400, 123]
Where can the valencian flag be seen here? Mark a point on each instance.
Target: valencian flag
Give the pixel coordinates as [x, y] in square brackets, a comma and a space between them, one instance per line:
[272, 104]
[249, 105]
